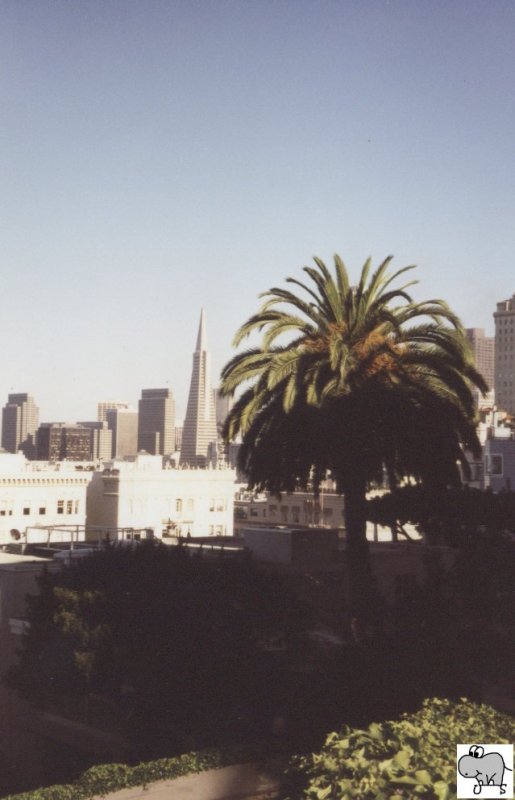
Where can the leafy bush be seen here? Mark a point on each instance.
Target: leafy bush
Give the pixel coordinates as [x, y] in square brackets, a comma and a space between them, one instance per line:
[414, 757]
[100, 780]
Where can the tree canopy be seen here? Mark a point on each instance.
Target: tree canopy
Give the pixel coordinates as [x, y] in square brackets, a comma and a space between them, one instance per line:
[352, 379]
[356, 381]
[168, 648]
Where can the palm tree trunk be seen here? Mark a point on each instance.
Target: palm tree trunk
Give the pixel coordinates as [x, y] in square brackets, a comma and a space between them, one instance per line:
[359, 575]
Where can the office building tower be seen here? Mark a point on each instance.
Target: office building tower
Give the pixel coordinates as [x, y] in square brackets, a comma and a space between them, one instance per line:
[156, 421]
[20, 420]
[483, 348]
[123, 422]
[199, 430]
[108, 405]
[60, 441]
[505, 355]
[100, 440]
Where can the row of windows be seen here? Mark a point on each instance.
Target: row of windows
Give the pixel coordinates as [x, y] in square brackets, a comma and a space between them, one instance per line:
[43, 481]
[215, 504]
[63, 507]
[218, 504]
[312, 513]
[179, 504]
[217, 530]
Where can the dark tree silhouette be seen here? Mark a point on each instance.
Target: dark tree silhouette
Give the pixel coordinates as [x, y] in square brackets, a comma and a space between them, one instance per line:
[355, 381]
[173, 648]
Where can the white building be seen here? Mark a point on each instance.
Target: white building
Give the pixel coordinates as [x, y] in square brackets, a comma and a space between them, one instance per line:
[37, 495]
[140, 494]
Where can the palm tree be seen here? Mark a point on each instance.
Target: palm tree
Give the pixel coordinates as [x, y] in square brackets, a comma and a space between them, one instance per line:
[352, 381]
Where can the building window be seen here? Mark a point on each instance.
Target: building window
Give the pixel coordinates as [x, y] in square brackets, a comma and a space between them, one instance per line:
[220, 504]
[76, 506]
[494, 464]
[26, 511]
[191, 505]
[60, 506]
[42, 510]
[211, 530]
[178, 505]
[69, 506]
[212, 504]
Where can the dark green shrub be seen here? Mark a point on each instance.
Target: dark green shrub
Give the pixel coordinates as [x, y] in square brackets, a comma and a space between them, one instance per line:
[100, 780]
[414, 757]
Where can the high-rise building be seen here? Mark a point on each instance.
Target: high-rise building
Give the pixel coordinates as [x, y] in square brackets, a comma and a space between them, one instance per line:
[199, 430]
[156, 422]
[483, 348]
[59, 441]
[100, 440]
[505, 355]
[20, 420]
[108, 405]
[123, 422]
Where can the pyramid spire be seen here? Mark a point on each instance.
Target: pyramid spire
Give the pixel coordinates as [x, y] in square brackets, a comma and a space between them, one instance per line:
[201, 337]
[199, 430]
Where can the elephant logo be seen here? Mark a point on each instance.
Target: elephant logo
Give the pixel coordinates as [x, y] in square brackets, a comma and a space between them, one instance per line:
[487, 768]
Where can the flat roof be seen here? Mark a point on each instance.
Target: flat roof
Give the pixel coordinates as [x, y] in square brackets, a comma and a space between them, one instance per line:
[9, 559]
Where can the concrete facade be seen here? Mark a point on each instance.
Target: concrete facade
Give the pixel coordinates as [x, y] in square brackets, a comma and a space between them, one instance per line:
[301, 546]
[141, 494]
[123, 422]
[299, 508]
[39, 496]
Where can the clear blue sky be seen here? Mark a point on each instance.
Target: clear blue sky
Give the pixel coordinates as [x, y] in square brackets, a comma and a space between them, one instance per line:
[159, 156]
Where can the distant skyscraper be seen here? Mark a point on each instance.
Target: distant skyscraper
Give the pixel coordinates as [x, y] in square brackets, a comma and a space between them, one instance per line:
[483, 348]
[20, 420]
[123, 422]
[199, 430]
[101, 438]
[57, 441]
[107, 405]
[156, 421]
[505, 355]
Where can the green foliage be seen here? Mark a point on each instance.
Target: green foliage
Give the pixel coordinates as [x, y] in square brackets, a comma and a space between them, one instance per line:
[159, 646]
[414, 757]
[100, 780]
[351, 379]
[445, 515]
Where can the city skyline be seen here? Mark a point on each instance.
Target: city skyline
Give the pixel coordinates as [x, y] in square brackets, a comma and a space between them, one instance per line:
[157, 158]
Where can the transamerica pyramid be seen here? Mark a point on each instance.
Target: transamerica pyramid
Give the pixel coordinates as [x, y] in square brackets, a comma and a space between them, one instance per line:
[199, 429]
